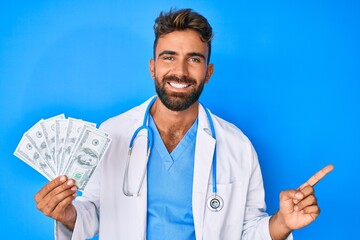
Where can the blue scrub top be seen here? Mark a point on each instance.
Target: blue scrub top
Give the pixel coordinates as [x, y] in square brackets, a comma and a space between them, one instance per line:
[169, 184]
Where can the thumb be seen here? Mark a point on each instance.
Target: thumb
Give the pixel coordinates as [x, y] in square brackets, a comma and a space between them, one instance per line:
[288, 195]
[288, 199]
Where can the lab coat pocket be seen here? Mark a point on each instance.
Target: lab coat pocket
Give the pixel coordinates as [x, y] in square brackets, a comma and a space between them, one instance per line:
[228, 222]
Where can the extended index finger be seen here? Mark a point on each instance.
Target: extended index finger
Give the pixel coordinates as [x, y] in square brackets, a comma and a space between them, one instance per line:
[318, 176]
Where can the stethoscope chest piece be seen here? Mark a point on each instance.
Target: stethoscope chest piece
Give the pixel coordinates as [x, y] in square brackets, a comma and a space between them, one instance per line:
[215, 203]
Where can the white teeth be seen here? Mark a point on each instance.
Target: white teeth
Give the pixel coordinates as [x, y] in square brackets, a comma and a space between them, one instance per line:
[178, 85]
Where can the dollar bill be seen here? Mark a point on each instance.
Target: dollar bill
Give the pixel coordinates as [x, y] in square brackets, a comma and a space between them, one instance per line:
[27, 152]
[60, 134]
[48, 128]
[86, 155]
[74, 129]
[60, 146]
[37, 138]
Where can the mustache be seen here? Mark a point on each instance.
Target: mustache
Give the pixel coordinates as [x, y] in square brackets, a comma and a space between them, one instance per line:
[182, 79]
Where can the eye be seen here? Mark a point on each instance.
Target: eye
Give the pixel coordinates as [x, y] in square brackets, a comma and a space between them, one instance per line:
[168, 58]
[195, 59]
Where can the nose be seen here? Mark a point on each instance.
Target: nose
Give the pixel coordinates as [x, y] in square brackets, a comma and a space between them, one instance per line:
[181, 68]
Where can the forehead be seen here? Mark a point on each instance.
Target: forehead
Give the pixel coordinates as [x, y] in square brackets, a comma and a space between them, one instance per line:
[185, 41]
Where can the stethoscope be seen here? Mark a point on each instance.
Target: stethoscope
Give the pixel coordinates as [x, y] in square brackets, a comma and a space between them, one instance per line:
[214, 202]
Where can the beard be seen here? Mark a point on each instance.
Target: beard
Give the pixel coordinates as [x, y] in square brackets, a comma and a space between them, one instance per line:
[178, 101]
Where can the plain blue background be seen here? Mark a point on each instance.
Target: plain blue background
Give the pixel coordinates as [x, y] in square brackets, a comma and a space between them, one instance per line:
[286, 72]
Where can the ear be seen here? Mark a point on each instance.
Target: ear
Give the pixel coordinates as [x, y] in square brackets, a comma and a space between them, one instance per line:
[152, 68]
[209, 72]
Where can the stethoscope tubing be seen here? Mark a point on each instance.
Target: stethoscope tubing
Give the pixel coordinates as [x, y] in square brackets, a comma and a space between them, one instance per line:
[150, 139]
[212, 128]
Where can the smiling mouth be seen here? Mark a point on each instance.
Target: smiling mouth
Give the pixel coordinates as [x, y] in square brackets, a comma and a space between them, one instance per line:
[178, 85]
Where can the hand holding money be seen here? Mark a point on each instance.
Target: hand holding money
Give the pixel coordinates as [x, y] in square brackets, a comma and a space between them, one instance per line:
[55, 200]
[59, 146]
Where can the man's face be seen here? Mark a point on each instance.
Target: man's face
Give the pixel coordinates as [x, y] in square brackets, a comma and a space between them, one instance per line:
[180, 69]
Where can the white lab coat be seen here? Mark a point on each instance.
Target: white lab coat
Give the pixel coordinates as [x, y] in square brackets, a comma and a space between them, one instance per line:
[104, 209]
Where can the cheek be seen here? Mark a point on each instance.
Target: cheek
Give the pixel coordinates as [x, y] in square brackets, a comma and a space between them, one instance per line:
[160, 71]
[199, 73]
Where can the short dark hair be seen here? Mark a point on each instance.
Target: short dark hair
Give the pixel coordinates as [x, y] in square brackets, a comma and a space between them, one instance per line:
[178, 20]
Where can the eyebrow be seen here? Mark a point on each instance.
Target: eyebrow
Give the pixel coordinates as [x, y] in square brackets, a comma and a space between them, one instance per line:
[192, 54]
[167, 52]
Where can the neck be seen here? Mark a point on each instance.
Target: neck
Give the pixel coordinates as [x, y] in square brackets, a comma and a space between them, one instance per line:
[173, 125]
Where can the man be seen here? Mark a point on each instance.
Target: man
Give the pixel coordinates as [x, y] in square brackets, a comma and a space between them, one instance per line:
[174, 199]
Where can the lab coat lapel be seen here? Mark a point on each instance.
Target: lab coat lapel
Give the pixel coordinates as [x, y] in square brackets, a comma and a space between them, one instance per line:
[140, 202]
[205, 145]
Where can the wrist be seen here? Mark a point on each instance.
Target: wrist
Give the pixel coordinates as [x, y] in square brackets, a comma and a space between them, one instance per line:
[278, 228]
[71, 218]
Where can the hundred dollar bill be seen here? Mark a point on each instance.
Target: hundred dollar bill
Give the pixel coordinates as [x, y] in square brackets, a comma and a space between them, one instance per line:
[73, 132]
[37, 138]
[48, 128]
[27, 152]
[60, 133]
[86, 155]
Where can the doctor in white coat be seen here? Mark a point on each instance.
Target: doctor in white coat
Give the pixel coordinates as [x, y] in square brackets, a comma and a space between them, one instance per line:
[180, 69]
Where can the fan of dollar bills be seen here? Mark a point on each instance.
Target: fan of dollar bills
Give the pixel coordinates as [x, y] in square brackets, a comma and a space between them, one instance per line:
[60, 146]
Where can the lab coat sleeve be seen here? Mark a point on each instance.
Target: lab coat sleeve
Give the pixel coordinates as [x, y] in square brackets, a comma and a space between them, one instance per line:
[256, 221]
[86, 225]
